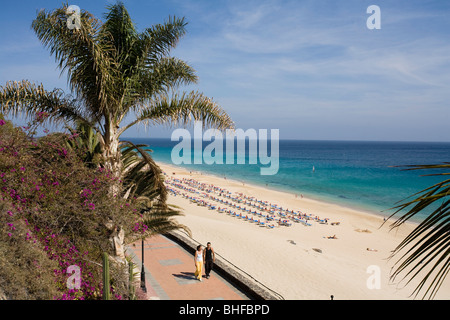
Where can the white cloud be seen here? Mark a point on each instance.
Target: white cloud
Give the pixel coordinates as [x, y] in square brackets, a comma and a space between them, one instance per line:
[311, 60]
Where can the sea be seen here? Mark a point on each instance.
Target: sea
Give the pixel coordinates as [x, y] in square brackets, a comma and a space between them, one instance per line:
[363, 175]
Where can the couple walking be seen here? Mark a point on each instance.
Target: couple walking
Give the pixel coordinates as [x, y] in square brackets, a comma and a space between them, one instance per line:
[206, 256]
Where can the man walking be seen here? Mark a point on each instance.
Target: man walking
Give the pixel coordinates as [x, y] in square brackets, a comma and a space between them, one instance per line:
[208, 257]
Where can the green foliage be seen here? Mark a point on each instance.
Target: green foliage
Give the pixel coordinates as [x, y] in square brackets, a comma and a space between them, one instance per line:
[84, 141]
[425, 252]
[142, 182]
[53, 204]
[114, 70]
[26, 273]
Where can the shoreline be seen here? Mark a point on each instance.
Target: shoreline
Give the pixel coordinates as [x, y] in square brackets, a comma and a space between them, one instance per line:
[317, 199]
[297, 261]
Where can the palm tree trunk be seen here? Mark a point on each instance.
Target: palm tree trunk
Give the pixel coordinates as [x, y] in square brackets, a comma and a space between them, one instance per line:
[111, 153]
[113, 163]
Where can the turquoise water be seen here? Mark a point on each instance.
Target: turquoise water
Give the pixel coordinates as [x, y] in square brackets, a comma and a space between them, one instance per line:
[352, 173]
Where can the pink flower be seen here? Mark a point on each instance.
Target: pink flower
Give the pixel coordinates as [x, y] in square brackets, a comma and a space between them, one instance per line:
[2, 122]
[40, 116]
[62, 152]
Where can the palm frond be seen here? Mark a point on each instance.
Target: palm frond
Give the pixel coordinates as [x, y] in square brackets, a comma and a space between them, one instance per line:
[142, 174]
[142, 181]
[164, 75]
[160, 220]
[182, 110]
[159, 39]
[26, 98]
[120, 30]
[143, 61]
[90, 69]
[426, 250]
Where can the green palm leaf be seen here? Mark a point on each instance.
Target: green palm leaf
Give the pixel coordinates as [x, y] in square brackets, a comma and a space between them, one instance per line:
[141, 173]
[144, 182]
[90, 68]
[25, 98]
[182, 110]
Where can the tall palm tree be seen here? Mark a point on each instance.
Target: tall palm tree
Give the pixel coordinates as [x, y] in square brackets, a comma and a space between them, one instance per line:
[426, 250]
[113, 71]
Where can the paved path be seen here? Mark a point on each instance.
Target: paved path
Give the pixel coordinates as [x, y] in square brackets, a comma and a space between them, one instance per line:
[169, 272]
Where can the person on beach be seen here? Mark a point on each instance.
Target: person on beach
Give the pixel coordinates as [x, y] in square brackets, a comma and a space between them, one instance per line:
[209, 257]
[198, 261]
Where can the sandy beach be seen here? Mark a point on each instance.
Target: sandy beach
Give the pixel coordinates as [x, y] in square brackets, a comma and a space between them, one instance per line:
[299, 261]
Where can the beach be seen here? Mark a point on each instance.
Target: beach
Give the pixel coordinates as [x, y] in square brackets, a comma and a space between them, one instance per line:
[319, 250]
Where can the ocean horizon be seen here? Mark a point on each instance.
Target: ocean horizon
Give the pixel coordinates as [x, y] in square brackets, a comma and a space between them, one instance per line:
[356, 174]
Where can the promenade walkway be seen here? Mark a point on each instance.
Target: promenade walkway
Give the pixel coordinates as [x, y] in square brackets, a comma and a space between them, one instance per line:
[169, 273]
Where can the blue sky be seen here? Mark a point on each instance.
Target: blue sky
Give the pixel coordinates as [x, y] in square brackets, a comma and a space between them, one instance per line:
[309, 68]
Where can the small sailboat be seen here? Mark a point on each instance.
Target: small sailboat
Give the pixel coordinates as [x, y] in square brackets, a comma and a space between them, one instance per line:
[314, 169]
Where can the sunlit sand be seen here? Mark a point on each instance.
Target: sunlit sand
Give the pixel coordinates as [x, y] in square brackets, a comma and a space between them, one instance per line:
[306, 249]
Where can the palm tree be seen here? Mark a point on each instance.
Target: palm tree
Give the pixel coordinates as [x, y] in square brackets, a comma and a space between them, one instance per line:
[426, 250]
[113, 71]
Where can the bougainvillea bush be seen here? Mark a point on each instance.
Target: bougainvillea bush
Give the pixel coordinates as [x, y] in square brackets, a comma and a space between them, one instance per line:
[54, 213]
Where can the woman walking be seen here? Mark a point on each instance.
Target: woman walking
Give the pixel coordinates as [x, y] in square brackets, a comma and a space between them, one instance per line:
[198, 260]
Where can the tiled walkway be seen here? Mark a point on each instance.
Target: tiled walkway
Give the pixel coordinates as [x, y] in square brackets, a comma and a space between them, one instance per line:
[169, 273]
